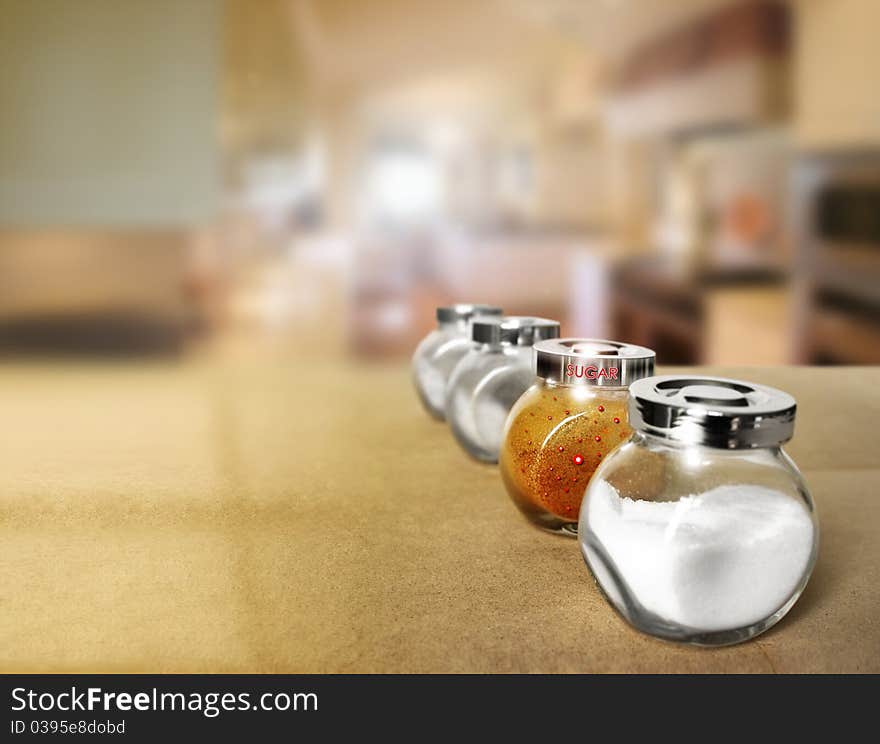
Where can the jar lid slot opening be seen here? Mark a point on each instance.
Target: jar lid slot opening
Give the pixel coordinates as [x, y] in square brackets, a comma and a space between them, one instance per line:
[713, 411]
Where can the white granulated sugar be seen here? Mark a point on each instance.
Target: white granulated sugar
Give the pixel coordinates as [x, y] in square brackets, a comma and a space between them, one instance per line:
[723, 559]
[496, 394]
[490, 415]
[433, 381]
[435, 369]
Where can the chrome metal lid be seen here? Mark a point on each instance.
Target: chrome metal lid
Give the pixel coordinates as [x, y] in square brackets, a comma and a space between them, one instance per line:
[518, 330]
[592, 361]
[715, 411]
[452, 313]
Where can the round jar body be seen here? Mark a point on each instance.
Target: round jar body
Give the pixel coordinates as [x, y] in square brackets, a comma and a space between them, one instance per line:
[555, 437]
[483, 388]
[433, 362]
[697, 544]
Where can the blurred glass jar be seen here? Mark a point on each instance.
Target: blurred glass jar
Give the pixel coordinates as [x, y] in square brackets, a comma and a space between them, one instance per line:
[490, 378]
[700, 528]
[560, 429]
[438, 353]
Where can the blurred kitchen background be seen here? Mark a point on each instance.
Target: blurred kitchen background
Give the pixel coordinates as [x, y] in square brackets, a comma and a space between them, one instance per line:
[181, 177]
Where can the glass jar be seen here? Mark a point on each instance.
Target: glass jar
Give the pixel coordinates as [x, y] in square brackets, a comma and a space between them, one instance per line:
[490, 378]
[437, 354]
[700, 528]
[563, 426]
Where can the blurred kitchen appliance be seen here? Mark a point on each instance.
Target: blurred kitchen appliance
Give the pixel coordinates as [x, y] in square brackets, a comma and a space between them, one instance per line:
[837, 225]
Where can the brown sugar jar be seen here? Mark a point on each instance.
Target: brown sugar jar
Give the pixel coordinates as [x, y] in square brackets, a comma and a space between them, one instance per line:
[563, 426]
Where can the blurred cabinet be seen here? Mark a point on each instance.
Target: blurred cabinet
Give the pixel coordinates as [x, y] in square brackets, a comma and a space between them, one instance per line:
[837, 58]
[673, 82]
[748, 325]
[661, 308]
[692, 317]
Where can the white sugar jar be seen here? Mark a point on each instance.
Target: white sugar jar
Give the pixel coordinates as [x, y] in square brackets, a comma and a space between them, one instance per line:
[490, 378]
[437, 354]
[700, 528]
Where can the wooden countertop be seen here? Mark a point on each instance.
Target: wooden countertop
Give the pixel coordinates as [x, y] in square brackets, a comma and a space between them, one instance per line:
[286, 516]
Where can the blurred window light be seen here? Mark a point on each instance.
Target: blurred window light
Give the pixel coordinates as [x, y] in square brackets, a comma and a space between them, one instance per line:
[279, 180]
[403, 186]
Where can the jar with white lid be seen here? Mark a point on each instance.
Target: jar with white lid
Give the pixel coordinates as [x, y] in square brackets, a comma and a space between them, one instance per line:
[562, 427]
[437, 354]
[700, 528]
[490, 378]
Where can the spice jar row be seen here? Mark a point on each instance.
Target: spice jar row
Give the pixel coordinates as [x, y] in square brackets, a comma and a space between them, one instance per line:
[694, 522]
